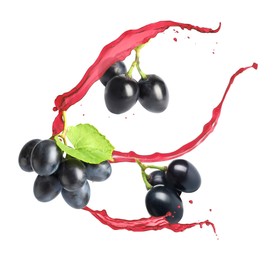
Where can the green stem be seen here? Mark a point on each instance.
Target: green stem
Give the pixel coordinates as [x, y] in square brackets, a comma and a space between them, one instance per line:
[145, 179]
[136, 63]
[145, 176]
[63, 134]
[133, 65]
[161, 168]
[137, 58]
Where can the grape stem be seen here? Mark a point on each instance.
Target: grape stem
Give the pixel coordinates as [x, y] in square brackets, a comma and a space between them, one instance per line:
[136, 63]
[137, 58]
[116, 50]
[63, 134]
[144, 174]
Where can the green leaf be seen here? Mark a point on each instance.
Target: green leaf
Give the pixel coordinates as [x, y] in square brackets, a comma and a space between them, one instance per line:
[89, 145]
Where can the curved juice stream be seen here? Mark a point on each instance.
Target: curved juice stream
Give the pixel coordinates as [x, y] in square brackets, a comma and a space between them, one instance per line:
[117, 50]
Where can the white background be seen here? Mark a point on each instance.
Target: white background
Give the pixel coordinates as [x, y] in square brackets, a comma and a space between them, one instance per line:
[46, 47]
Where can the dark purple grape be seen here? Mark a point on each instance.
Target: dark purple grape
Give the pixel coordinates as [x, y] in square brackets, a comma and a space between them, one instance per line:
[71, 173]
[121, 93]
[159, 177]
[46, 188]
[183, 176]
[98, 172]
[79, 198]
[24, 158]
[118, 68]
[46, 157]
[156, 177]
[161, 199]
[153, 95]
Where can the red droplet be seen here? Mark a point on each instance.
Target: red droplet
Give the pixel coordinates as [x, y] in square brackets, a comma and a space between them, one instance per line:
[191, 201]
[175, 39]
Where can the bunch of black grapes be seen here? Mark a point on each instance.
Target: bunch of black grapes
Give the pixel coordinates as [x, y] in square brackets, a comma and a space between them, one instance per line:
[122, 91]
[69, 176]
[164, 196]
[56, 174]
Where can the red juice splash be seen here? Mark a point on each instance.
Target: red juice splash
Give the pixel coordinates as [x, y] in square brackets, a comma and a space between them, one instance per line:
[208, 128]
[118, 50]
[144, 224]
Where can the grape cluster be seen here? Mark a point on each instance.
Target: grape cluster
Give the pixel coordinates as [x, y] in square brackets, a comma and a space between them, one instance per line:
[123, 91]
[58, 174]
[167, 186]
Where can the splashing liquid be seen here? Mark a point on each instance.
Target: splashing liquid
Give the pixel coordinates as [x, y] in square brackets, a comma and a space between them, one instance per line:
[115, 51]
[144, 224]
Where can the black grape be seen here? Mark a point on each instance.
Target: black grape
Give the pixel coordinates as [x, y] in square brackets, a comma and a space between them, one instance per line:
[46, 188]
[116, 69]
[46, 157]
[156, 177]
[153, 95]
[121, 93]
[71, 173]
[25, 155]
[98, 172]
[159, 177]
[161, 199]
[183, 176]
[79, 198]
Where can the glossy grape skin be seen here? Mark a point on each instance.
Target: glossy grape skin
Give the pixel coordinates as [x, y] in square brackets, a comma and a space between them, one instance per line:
[156, 177]
[46, 188]
[24, 158]
[159, 177]
[46, 157]
[79, 198]
[160, 200]
[98, 172]
[121, 93]
[71, 173]
[154, 94]
[116, 69]
[183, 176]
